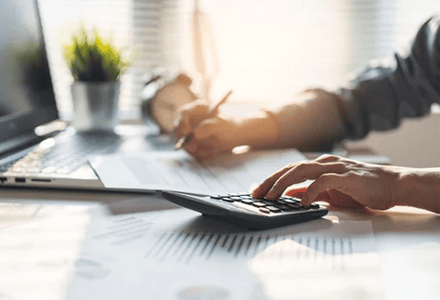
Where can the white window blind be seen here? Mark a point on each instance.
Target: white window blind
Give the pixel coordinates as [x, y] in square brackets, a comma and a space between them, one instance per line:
[267, 49]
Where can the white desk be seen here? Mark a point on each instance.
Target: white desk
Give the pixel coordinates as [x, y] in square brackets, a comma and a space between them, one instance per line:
[408, 242]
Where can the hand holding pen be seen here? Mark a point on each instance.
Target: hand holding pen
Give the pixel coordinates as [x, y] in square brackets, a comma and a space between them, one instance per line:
[212, 111]
[205, 133]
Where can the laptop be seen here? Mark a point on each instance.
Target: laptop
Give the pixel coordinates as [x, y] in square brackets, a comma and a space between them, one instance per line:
[33, 151]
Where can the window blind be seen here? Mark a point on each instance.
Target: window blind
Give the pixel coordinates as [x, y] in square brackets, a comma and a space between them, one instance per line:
[267, 49]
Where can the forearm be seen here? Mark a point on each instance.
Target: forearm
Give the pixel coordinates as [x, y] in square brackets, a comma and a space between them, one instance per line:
[311, 124]
[259, 129]
[419, 187]
[378, 99]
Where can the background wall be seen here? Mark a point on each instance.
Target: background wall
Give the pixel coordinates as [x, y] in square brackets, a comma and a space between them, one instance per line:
[267, 50]
[415, 144]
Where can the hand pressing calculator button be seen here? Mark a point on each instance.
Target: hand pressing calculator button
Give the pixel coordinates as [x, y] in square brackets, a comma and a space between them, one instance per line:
[243, 210]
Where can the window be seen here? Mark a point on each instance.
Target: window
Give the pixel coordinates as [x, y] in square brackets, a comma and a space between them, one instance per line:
[267, 49]
[143, 27]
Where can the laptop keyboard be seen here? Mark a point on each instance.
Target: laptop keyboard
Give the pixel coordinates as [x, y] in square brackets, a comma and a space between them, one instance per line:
[64, 156]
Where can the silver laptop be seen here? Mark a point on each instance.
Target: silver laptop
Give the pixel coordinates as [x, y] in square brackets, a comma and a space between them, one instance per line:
[27, 103]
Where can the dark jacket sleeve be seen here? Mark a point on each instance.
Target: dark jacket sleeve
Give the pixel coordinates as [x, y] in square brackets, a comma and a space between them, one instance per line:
[377, 99]
[380, 97]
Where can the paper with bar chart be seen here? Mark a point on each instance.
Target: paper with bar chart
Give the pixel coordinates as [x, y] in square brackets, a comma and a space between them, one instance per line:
[207, 258]
[179, 254]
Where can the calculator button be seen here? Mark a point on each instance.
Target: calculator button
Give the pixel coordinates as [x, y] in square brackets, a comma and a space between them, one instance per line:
[268, 202]
[283, 207]
[289, 200]
[247, 201]
[264, 210]
[258, 204]
[294, 205]
[228, 199]
[236, 198]
[273, 209]
[217, 197]
[314, 206]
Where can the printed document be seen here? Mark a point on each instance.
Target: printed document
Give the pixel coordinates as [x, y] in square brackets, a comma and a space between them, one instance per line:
[178, 171]
[179, 254]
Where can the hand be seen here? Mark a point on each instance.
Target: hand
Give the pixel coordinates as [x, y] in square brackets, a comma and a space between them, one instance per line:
[212, 136]
[335, 197]
[338, 181]
[218, 134]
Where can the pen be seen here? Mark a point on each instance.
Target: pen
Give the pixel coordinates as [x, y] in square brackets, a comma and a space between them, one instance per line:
[184, 140]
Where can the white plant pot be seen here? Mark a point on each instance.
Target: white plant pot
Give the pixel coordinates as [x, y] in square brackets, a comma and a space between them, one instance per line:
[95, 105]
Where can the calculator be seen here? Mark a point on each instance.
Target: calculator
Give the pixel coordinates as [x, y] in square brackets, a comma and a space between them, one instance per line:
[242, 210]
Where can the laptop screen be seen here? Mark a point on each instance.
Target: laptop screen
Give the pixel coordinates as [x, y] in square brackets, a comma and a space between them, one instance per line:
[26, 93]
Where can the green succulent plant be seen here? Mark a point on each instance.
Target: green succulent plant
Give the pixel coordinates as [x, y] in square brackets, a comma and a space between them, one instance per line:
[93, 58]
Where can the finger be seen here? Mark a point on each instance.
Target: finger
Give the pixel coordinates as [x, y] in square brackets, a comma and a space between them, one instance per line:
[299, 193]
[339, 199]
[191, 116]
[201, 149]
[182, 125]
[326, 182]
[179, 126]
[204, 153]
[326, 158]
[301, 173]
[177, 133]
[333, 197]
[191, 147]
[264, 187]
[209, 128]
[296, 192]
[192, 105]
[199, 153]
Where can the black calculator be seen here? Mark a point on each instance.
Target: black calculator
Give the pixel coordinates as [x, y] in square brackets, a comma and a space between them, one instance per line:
[242, 210]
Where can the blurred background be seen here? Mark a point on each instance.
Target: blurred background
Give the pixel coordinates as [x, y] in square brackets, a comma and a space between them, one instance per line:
[265, 50]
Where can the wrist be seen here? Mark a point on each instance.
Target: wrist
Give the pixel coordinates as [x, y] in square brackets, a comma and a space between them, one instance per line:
[419, 188]
[259, 129]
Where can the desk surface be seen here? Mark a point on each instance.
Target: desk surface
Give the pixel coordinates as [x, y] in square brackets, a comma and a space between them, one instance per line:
[408, 240]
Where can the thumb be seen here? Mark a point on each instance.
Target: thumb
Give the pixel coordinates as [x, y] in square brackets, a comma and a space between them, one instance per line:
[191, 114]
[299, 193]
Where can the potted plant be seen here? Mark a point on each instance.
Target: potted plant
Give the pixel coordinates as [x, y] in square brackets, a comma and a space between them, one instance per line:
[96, 65]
